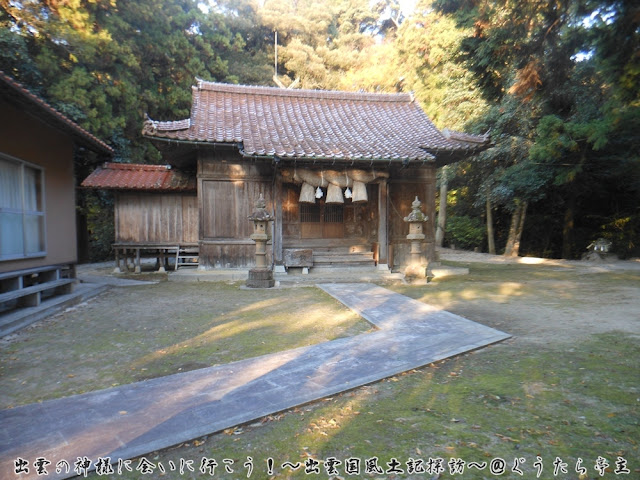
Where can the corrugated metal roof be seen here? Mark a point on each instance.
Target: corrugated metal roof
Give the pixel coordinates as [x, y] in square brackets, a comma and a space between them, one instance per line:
[313, 124]
[131, 176]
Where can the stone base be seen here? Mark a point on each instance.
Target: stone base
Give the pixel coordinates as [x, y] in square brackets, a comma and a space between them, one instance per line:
[260, 278]
[416, 273]
[298, 257]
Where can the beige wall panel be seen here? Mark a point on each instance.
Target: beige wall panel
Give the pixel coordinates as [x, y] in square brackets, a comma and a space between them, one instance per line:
[26, 138]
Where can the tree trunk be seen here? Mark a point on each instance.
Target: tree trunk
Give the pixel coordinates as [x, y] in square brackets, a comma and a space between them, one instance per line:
[442, 212]
[515, 230]
[490, 232]
[567, 227]
[523, 214]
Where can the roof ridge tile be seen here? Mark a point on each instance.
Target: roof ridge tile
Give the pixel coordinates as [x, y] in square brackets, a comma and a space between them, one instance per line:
[135, 166]
[304, 93]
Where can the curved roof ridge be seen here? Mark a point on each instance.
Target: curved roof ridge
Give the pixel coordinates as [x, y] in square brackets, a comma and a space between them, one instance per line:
[312, 124]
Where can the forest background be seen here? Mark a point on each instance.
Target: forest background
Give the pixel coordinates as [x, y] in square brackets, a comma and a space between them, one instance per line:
[556, 83]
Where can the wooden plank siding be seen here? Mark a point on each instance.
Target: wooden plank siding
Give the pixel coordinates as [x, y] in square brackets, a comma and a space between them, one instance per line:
[404, 186]
[229, 188]
[158, 218]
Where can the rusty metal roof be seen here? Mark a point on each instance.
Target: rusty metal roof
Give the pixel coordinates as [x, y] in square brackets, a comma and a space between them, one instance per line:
[312, 124]
[15, 93]
[131, 176]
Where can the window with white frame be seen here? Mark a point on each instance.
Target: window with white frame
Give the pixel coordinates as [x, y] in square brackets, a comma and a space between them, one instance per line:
[22, 231]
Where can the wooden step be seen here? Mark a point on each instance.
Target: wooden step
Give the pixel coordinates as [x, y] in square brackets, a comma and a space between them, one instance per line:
[345, 260]
[338, 258]
[342, 250]
[336, 253]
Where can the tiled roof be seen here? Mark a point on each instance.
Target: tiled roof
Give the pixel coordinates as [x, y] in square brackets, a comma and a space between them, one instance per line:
[313, 124]
[16, 93]
[131, 176]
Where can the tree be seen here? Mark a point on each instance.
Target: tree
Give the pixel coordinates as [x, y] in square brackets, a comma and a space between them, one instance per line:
[557, 61]
[107, 63]
[320, 41]
[428, 61]
[446, 173]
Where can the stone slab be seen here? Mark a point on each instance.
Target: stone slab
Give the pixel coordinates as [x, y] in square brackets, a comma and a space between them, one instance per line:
[298, 257]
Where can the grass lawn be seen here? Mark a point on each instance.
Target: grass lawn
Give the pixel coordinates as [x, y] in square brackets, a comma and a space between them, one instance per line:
[134, 333]
[502, 402]
[565, 389]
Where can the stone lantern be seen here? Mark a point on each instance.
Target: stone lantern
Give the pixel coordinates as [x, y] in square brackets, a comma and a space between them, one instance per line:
[261, 276]
[416, 269]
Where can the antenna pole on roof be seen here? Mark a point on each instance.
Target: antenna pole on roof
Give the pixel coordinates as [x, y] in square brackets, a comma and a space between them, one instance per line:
[275, 64]
[277, 81]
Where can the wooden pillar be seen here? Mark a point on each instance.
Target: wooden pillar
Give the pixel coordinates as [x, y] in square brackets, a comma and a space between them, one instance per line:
[430, 210]
[383, 229]
[117, 269]
[277, 225]
[161, 268]
[137, 268]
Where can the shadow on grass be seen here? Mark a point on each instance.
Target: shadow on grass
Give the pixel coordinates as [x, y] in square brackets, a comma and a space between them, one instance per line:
[135, 333]
[574, 404]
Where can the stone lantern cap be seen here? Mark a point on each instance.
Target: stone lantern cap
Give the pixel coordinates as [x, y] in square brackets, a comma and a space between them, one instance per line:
[260, 214]
[416, 214]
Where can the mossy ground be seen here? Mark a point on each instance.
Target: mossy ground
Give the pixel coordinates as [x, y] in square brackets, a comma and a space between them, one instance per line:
[501, 402]
[133, 333]
[564, 388]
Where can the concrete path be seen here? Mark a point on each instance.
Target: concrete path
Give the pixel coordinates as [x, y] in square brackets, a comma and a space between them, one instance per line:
[133, 420]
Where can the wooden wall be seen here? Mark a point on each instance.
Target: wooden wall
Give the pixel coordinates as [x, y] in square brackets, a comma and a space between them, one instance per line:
[360, 219]
[156, 218]
[404, 185]
[229, 188]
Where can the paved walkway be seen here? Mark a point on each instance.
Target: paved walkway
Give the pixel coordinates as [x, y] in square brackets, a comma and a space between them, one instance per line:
[133, 420]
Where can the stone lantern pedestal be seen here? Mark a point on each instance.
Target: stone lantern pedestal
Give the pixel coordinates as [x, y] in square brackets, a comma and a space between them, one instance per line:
[416, 269]
[261, 276]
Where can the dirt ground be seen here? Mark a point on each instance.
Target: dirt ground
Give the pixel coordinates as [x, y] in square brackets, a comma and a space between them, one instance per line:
[545, 300]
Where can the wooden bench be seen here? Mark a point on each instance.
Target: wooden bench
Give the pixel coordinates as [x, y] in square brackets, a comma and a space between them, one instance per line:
[28, 286]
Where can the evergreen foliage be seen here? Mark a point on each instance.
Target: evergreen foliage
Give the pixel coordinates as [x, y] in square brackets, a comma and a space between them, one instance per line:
[556, 84]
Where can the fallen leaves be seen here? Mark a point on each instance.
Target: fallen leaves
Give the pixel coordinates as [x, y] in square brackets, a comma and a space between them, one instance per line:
[506, 438]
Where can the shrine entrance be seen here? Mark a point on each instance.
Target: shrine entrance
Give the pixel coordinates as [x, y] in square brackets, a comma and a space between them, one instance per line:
[335, 234]
[321, 220]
